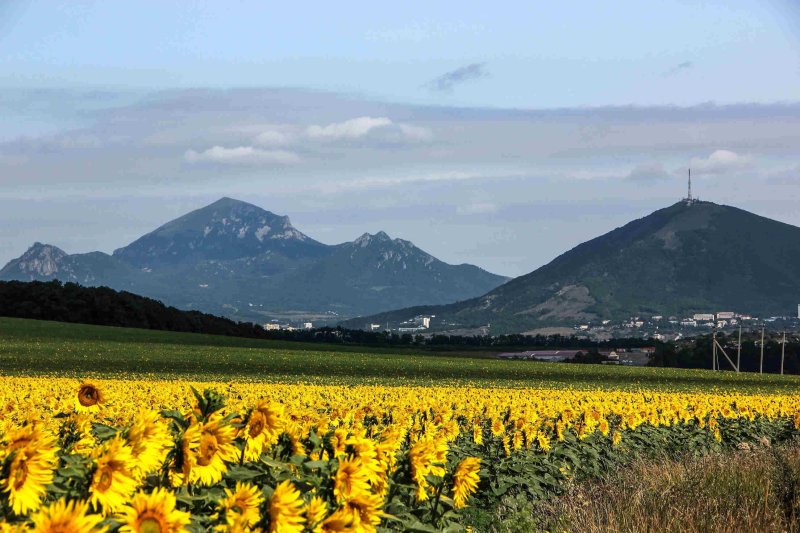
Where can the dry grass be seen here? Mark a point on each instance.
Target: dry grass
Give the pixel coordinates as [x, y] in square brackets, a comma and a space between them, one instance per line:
[743, 491]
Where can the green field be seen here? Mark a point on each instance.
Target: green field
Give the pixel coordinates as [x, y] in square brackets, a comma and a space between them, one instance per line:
[37, 347]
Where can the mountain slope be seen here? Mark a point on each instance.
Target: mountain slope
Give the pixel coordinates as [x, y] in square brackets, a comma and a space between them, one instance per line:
[681, 259]
[235, 259]
[375, 269]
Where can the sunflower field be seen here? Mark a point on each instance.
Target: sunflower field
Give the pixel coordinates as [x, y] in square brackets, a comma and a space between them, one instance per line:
[157, 456]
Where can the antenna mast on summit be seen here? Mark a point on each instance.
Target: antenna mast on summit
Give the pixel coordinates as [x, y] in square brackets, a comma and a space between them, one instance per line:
[690, 186]
[689, 200]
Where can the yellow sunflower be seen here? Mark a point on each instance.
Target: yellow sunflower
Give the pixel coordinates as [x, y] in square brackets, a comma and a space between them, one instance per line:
[112, 482]
[350, 479]
[33, 461]
[365, 511]
[465, 480]
[216, 448]
[149, 439]
[241, 505]
[183, 462]
[65, 517]
[340, 521]
[427, 457]
[315, 513]
[286, 509]
[90, 397]
[153, 513]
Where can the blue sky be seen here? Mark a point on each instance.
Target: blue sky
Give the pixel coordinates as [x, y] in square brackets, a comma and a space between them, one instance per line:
[497, 134]
[535, 54]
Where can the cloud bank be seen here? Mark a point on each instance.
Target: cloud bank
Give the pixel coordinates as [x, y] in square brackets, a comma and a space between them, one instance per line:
[506, 189]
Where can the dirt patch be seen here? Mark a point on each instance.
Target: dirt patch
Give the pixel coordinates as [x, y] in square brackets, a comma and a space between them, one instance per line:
[570, 302]
[565, 332]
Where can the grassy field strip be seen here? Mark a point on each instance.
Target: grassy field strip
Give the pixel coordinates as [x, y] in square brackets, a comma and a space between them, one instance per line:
[51, 348]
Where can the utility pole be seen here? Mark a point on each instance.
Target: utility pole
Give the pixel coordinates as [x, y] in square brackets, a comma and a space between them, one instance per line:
[761, 365]
[783, 351]
[739, 351]
[714, 350]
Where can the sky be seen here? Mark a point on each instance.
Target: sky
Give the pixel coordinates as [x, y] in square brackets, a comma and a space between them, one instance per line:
[497, 134]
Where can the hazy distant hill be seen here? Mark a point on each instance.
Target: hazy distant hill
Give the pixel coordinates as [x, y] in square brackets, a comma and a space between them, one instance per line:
[235, 259]
[677, 260]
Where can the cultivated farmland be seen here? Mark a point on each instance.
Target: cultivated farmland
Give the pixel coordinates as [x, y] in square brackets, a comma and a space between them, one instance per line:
[138, 428]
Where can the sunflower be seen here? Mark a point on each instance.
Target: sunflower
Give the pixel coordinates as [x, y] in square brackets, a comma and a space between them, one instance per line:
[255, 438]
[30, 470]
[216, 448]
[184, 458]
[351, 479]
[543, 441]
[286, 509]
[340, 521]
[65, 517]
[465, 480]
[82, 423]
[149, 439]
[338, 442]
[112, 482]
[90, 397]
[153, 513]
[427, 456]
[315, 513]
[365, 512]
[241, 505]
[364, 449]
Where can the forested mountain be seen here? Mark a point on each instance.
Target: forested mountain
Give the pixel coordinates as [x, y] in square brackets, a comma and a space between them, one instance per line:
[686, 258]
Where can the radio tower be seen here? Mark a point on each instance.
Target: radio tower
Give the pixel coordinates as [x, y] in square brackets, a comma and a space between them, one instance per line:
[689, 199]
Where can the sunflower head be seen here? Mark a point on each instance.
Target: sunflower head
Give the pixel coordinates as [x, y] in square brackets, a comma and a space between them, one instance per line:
[33, 460]
[153, 513]
[242, 504]
[113, 481]
[286, 509]
[63, 516]
[465, 480]
[90, 397]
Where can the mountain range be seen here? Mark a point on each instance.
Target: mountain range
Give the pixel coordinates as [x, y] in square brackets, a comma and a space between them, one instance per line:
[234, 259]
[687, 258]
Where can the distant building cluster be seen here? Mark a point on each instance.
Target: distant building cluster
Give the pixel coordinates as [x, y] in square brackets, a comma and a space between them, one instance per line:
[275, 325]
[668, 328]
[417, 324]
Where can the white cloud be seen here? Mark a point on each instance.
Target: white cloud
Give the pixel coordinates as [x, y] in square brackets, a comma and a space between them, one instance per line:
[720, 162]
[272, 138]
[349, 129]
[241, 155]
[379, 128]
[648, 171]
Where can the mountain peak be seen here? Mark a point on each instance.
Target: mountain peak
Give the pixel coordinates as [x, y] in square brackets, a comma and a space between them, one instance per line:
[225, 229]
[38, 249]
[40, 260]
[228, 202]
[367, 239]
